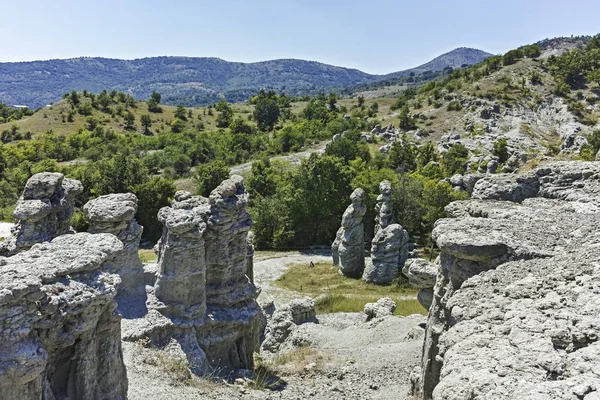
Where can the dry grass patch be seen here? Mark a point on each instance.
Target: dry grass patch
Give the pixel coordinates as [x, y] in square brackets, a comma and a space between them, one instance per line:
[147, 256]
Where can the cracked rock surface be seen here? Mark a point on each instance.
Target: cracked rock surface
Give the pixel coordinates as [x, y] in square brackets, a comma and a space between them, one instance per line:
[516, 304]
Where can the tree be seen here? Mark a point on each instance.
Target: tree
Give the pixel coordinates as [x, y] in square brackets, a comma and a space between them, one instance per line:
[262, 182]
[146, 122]
[104, 100]
[181, 113]
[129, 121]
[361, 101]
[348, 149]
[266, 110]
[74, 99]
[152, 196]
[332, 102]
[454, 160]
[406, 121]
[177, 125]
[209, 176]
[239, 126]
[224, 118]
[403, 156]
[153, 102]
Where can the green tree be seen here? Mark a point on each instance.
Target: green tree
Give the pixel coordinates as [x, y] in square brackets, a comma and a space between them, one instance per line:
[209, 176]
[361, 101]
[129, 121]
[266, 110]
[146, 122]
[104, 100]
[153, 102]
[177, 125]
[406, 120]
[152, 196]
[262, 182]
[403, 156]
[181, 113]
[454, 160]
[239, 126]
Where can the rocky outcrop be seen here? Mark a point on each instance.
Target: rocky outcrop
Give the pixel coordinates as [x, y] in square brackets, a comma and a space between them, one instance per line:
[516, 305]
[250, 257]
[114, 214]
[348, 249]
[422, 274]
[381, 308]
[43, 211]
[202, 297]
[389, 249]
[60, 336]
[284, 321]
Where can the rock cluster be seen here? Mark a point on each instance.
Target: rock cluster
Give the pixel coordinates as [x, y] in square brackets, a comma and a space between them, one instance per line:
[389, 249]
[203, 298]
[114, 214]
[516, 306]
[348, 249]
[43, 211]
[60, 336]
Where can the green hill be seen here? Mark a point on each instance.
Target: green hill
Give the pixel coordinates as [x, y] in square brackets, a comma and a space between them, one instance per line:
[187, 80]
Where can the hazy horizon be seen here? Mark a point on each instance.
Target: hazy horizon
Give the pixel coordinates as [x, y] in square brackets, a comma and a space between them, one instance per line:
[380, 37]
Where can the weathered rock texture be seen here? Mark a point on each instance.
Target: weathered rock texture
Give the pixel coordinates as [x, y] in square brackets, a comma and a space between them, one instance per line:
[60, 336]
[202, 297]
[422, 275]
[114, 213]
[516, 305]
[348, 249]
[381, 308]
[284, 321]
[389, 249]
[43, 211]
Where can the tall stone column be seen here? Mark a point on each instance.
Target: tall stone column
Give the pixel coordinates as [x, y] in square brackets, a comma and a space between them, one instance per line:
[348, 249]
[114, 213]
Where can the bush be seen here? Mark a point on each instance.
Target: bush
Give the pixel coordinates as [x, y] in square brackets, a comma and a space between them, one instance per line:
[501, 149]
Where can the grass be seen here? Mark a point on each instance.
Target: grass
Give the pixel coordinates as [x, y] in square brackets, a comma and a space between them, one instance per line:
[344, 294]
[148, 256]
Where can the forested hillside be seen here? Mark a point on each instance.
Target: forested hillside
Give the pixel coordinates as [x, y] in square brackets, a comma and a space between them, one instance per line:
[187, 80]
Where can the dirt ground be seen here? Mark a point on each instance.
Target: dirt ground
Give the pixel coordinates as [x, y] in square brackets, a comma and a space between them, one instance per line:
[356, 359]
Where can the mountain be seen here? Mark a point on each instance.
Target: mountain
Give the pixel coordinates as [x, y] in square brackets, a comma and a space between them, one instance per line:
[190, 80]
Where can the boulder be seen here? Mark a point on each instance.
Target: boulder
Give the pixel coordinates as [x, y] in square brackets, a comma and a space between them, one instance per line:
[348, 248]
[383, 307]
[43, 212]
[284, 321]
[420, 273]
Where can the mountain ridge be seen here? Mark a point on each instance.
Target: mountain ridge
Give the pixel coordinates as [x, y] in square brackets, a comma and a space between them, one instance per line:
[191, 80]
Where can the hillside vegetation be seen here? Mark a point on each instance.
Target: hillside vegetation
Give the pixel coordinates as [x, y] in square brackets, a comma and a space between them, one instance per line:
[190, 81]
[530, 103]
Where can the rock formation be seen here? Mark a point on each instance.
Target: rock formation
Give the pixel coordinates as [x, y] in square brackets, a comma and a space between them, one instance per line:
[250, 258]
[203, 298]
[381, 308]
[60, 336]
[348, 249]
[43, 211]
[422, 275]
[284, 321]
[389, 249]
[114, 214]
[515, 310]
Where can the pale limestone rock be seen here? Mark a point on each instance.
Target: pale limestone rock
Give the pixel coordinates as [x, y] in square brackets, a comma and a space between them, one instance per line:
[60, 336]
[43, 211]
[348, 249]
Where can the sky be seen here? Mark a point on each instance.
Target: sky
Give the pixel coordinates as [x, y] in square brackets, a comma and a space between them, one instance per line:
[375, 36]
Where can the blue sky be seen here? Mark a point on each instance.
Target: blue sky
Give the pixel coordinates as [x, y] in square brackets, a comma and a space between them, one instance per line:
[376, 36]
